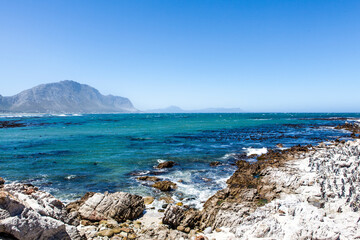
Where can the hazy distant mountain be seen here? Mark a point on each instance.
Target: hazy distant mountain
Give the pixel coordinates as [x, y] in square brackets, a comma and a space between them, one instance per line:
[175, 109]
[64, 97]
[171, 109]
[219, 110]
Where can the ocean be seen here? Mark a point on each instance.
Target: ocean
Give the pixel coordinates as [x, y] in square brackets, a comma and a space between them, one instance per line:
[69, 155]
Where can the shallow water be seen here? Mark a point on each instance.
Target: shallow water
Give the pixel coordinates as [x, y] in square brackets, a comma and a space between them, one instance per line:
[70, 155]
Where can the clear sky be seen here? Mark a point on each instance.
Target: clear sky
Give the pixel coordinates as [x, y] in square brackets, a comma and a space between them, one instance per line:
[295, 55]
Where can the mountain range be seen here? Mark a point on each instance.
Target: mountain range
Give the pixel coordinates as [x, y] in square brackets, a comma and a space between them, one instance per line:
[65, 97]
[176, 109]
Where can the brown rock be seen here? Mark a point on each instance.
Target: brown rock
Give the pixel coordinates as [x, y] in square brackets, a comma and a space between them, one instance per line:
[106, 233]
[279, 145]
[215, 163]
[167, 164]
[167, 199]
[2, 181]
[200, 238]
[85, 222]
[132, 236]
[116, 237]
[164, 186]
[30, 191]
[148, 200]
[149, 178]
[74, 206]
[180, 228]
[173, 216]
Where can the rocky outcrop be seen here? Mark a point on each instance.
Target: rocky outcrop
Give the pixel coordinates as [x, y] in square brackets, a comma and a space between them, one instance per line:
[11, 124]
[352, 127]
[215, 163]
[119, 206]
[27, 213]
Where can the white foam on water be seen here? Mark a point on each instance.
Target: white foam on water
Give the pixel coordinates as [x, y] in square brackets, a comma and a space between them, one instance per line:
[70, 177]
[256, 151]
[160, 160]
[143, 172]
[195, 193]
[228, 156]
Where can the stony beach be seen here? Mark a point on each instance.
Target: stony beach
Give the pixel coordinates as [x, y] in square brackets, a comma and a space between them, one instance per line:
[305, 192]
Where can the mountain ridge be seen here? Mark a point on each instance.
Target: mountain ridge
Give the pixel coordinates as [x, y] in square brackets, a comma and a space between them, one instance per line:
[176, 109]
[66, 96]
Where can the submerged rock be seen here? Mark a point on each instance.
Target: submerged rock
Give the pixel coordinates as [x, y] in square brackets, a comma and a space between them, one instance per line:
[164, 186]
[167, 164]
[119, 206]
[167, 199]
[149, 178]
[215, 163]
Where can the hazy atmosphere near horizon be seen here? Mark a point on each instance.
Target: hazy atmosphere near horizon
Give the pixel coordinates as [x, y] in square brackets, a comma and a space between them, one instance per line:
[179, 119]
[255, 55]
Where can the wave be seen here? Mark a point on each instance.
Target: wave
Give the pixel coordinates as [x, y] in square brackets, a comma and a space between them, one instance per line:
[255, 151]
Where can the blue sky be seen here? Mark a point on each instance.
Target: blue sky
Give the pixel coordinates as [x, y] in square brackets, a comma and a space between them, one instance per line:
[257, 55]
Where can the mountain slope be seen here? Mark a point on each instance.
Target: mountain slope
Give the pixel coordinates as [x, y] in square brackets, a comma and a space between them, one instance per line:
[64, 97]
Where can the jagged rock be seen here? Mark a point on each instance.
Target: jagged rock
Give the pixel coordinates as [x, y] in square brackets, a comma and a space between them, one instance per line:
[35, 216]
[167, 164]
[74, 206]
[164, 186]
[41, 202]
[149, 178]
[119, 206]
[173, 215]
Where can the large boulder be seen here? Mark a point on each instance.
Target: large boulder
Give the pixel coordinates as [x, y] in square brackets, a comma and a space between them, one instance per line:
[31, 215]
[175, 216]
[119, 206]
[40, 201]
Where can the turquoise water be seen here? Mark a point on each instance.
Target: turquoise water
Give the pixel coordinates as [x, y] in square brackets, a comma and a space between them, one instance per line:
[71, 155]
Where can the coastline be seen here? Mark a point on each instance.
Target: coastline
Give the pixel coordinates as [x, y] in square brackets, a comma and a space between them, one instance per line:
[294, 193]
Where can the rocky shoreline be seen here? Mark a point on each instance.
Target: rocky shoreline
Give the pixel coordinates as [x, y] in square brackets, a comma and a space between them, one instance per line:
[305, 192]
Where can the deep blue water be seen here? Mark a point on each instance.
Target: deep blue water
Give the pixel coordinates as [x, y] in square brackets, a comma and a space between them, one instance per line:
[71, 155]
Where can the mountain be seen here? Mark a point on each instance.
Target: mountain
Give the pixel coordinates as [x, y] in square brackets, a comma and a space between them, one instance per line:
[64, 97]
[219, 110]
[171, 109]
[176, 109]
